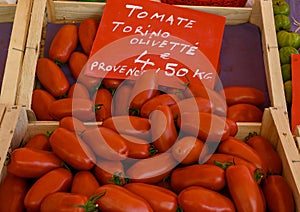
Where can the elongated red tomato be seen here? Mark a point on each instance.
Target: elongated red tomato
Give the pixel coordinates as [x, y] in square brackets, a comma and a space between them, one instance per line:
[32, 163]
[84, 183]
[137, 148]
[160, 199]
[243, 94]
[64, 202]
[244, 113]
[64, 43]
[12, 193]
[206, 126]
[41, 99]
[197, 198]
[163, 129]
[106, 143]
[267, 154]
[119, 199]
[111, 83]
[52, 77]
[205, 175]
[78, 90]
[72, 149]
[278, 194]
[72, 124]
[233, 127]
[243, 189]
[103, 100]
[82, 109]
[121, 100]
[39, 141]
[86, 33]
[59, 179]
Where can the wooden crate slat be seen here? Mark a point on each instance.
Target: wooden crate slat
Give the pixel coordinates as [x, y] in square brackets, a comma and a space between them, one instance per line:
[7, 12]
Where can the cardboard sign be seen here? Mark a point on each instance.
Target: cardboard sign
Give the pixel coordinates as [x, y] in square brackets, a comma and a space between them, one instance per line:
[295, 110]
[136, 36]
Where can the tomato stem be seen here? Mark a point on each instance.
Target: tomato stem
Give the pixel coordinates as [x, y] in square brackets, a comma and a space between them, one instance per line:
[119, 178]
[258, 174]
[179, 209]
[152, 150]
[250, 135]
[91, 205]
[134, 111]
[223, 165]
[97, 107]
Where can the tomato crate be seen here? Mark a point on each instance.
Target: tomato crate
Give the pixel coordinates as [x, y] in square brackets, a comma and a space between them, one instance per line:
[14, 23]
[273, 127]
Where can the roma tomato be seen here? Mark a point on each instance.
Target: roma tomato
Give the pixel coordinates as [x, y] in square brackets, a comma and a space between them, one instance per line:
[52, 77]
[106, 143]
[278, 194]
[245, 192]
[267, 154]
[64, 43]
[40, 102]
[39, 141]
[86, 33]
[137, 148]
[72, 124]
[78, 90]
[160, 199]
[233, 127]
[188, 149]
[12, 193]
[69, 147]
[205, 175]
[244, 113]
[103, 100]
[32, 163]
[111, 83]
[119, 199]
[84, 183]
[163, 129]
[82, 109]
[243, 94]
[56, 180]
[121, 100]
[197, 198]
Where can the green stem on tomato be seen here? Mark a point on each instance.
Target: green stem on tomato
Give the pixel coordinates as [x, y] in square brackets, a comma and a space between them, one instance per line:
[223, 165]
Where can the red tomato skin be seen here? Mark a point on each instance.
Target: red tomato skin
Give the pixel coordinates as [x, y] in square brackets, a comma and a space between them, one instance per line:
[243, 94]
[121, 100]
[244, 191]
[84, 183]
[12, 193]
[119, 199]
[160, 199]
[137, 148]
[64, 43]
[68, 146]
[197, 198]
[278, 194]
[72, 124]
[163, 129]
[41, 100]
[78, 90]
[111, 83]
[58, 179]
[103, 98]
[205, 175]
[233, 127]
[39, 141]
[267, 153]
[244, 113]
[87, 31]
[63, 202]
[105, 170]
[32, 163]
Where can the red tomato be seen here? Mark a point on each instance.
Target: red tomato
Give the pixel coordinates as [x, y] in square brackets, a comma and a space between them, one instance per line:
[121, 100]
[205, 175]
[278, 194]
[32, 163]
[233, 127]
[119, 199]
[39, 141]
[163, 129]
[69, 147]
[82, 109]
[188, 149]
[160, 199]
[41, 100]
[110, 83]
[243, 94]
[106, 143]
[84, 183]
[12, 193]
[243, 189]
[137, 147]
[52, 77]
[86, 33]
[64, 43]
[103, 102]
[197, 198]
[78, 90]
[267, 154]
[65, 202]
[59, 179]
[72, 124]
[244, 113]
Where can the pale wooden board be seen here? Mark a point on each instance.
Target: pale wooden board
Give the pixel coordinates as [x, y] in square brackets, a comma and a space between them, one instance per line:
[297, 137]
[7, 12]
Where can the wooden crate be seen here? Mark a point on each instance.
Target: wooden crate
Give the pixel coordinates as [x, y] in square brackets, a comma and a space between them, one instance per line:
[19, 15]
[273, 128]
